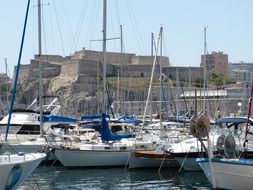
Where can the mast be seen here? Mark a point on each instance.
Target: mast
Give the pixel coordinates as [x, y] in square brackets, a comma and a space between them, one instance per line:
[104, 103]
[17, 73]
[150, 82]
[160, 83]
[40, 68]
[151, 95]
[177, 93]
[121, 68]
[204, 83]
[121, 40]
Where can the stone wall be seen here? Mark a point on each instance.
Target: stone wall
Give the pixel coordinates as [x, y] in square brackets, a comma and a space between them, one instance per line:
[135, 70]
[148, 60]
[112, 57]
[49, 69]
[185, 73]
[52, 58]
[23, 74]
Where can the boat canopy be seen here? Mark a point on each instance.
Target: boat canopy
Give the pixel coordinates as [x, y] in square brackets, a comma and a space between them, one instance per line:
[234, 120]
[59, 119]
[93, 117]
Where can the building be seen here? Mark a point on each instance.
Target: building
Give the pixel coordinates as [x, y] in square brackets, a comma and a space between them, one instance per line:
[240, 71]
[216, 62]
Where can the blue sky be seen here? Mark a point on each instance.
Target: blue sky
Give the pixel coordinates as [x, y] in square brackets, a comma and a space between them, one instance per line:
[66, 28]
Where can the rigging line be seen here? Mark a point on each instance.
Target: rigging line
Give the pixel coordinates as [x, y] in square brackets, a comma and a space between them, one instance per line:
[181, 85]
[112, 21]
[68, 22]
[164, 45]
[117, 11]
[44, 29]
[164, 98]
[135, 20]
[134, 29]
[79, 27]
[51, 26]
[209, 104]
[58, 24]
[23, 95]
[107, 92]
[93, 27]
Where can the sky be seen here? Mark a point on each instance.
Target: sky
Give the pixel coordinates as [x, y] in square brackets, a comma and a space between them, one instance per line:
[69, 26]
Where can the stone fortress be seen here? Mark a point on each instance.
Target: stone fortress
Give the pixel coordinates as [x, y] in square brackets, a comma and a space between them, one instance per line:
[77, 80]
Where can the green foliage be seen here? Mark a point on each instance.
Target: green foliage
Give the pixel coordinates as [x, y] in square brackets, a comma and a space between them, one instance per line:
[216, 80]
[4, 87]
[230, 80]
[198, 82]
[219, 80]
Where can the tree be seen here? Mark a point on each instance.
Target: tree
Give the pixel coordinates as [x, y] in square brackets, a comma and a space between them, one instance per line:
[198, 82]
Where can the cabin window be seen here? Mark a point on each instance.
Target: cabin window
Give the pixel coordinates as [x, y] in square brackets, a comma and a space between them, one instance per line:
[29, 129]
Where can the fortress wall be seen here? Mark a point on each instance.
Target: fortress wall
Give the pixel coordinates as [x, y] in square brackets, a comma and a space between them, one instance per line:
[49, 70]
[52, 58]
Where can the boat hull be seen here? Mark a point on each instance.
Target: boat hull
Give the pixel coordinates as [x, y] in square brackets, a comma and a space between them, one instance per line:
[28, 148]
[91, 158]
[150, 159]
[188, 160]
[14, 168]
[229, 173]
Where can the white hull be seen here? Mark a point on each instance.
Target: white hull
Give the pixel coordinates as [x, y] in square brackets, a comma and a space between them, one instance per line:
[27, 148]
[14, 169]
[188, 164]
[229, 173]
[91, 158]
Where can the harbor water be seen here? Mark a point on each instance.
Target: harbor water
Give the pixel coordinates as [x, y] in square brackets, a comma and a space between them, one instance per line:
[58, 177]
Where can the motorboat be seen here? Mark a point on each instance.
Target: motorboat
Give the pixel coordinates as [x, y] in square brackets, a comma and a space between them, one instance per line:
[15, 168]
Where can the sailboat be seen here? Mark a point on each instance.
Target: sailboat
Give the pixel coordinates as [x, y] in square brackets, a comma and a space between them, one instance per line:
[107, 150]
[15, 168]
[231, 168]
[157, 157]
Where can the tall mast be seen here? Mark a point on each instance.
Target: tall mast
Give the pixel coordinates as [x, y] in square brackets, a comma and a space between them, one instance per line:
[104, 106]
[204, 83]
[121, 68]
[151, 81]
[15, 82]
[40, 68]
[121, 39]
[151, 95]
[160, 84]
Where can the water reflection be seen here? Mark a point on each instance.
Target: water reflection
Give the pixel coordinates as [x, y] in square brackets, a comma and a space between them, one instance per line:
[56, 178]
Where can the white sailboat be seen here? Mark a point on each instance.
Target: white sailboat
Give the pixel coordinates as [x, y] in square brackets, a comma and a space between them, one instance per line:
[228, 173]
[231, 169]
[15, 168]
[157, 157]
[110, 150]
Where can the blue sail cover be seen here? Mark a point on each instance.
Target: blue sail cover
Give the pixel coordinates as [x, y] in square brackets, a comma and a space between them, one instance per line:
[59, 119]
[106, 134]
[93, 117]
